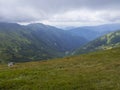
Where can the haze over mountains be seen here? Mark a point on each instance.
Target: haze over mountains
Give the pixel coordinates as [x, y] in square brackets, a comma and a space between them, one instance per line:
[93, 32]
[38, 41]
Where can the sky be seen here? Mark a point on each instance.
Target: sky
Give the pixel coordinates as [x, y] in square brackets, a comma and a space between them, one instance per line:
[60, 12]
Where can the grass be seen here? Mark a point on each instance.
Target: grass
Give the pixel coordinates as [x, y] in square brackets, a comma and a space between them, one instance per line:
[94, 71]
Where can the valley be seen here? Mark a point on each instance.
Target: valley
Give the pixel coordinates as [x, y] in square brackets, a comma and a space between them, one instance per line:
[21, 43]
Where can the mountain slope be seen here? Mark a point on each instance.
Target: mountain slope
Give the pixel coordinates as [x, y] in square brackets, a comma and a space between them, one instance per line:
[18, 44]
[95, 71]
[34, 42]
[108, 41]
[93, 32]
[86, 33]
[60, 39]
[105, 28]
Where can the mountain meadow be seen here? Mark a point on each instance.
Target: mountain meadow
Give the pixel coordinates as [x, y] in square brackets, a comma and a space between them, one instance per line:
[94, 71]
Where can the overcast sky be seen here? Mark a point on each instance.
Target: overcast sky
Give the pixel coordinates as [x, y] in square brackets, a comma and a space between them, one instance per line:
[60, 12]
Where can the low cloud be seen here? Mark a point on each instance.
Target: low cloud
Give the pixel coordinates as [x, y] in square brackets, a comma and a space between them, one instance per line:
[60, 12]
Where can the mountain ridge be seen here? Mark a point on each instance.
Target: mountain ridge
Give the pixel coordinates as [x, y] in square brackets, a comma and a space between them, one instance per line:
[35, 42]
[95, 31]
[107, 41]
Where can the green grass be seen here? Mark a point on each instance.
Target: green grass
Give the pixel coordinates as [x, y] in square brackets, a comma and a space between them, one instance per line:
[95, 71]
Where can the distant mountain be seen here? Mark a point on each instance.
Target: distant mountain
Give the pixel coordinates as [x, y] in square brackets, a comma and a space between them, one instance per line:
[108, 41]
[56, 38]
[35, 42]
[86, 33]
[93, 32]
[105, 27]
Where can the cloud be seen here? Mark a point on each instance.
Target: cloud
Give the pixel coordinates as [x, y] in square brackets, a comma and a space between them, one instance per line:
[84, 17]
[60, 12]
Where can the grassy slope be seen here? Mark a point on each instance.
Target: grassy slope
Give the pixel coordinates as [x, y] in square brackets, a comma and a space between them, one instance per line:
[95, 71]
